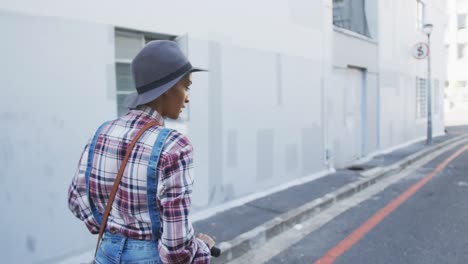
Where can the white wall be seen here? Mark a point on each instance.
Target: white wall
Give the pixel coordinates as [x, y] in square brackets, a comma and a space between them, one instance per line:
[398, 70]
[389, 88]
[57, 84]
[256, 117]
[261, 24]
[457, 69]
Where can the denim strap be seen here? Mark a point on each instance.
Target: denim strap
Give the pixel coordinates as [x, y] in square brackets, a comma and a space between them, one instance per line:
[152, 182]
[92, 146]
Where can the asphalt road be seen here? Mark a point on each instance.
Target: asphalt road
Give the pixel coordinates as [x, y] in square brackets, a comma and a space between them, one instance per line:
[428, 224]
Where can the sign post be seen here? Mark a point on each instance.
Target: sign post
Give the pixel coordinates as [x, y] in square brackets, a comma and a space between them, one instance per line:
[421, 51]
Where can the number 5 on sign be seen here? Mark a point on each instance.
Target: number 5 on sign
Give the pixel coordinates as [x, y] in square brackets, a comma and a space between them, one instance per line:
[420, 51]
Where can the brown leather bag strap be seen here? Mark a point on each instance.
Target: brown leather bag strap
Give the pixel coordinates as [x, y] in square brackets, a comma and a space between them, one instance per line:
[115, 187]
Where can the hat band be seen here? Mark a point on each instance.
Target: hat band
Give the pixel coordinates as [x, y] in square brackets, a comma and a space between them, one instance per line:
[153, 85]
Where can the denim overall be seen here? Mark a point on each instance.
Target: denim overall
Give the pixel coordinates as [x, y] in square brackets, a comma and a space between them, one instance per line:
[115, 248]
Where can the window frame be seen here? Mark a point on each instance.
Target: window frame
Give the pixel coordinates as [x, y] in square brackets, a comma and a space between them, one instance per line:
[342, 18]
[463, 26]
[127, 61]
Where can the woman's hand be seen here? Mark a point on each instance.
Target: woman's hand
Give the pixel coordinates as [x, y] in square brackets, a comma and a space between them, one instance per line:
[207, 239]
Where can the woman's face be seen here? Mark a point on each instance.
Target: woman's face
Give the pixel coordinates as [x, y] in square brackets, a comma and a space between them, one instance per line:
[176, 97]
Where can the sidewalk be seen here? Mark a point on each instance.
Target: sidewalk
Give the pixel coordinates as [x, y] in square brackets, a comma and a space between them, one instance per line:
[245, 227]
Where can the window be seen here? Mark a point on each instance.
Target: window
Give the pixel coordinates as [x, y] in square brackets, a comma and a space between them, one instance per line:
[421, 98]
[420, 14]
[351, 15]
[461, 53]
[460, 84]
[461, 21]
[127, 45]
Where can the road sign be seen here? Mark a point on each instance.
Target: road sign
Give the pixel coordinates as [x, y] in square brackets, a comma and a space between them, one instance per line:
[420, 51]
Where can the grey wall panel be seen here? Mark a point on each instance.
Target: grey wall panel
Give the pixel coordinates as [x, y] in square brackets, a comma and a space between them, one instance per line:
[292, 157]
[312, 149]
[388, 81]
[335, 115]
[279, 80]
[232, 152]
[215, 124]
[249, 95]
[372, 122]
[265, 154]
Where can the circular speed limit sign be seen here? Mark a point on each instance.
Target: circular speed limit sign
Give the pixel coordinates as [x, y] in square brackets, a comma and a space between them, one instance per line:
[420, 51]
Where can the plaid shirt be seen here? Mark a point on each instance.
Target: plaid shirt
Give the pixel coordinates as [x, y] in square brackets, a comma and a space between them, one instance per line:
[129, 215]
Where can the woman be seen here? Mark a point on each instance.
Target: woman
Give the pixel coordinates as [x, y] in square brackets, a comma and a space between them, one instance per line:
[149, 218]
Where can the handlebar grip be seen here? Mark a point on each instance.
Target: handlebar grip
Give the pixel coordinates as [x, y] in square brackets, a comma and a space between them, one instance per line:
[215, 252]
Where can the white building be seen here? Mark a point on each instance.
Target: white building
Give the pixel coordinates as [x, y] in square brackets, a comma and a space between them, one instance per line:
[457, 45]
[294, 89]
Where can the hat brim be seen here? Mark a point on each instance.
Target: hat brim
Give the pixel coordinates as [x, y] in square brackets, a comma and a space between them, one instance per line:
[134, 99]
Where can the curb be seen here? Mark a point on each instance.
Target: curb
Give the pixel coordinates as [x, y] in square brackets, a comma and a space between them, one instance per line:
[258, 236]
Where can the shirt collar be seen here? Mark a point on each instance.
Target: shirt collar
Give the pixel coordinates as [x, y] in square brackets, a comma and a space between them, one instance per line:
[150, 112]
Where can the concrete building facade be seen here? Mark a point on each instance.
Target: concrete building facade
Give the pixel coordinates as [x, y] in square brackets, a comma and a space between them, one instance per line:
[457, 47]
[293, 91]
